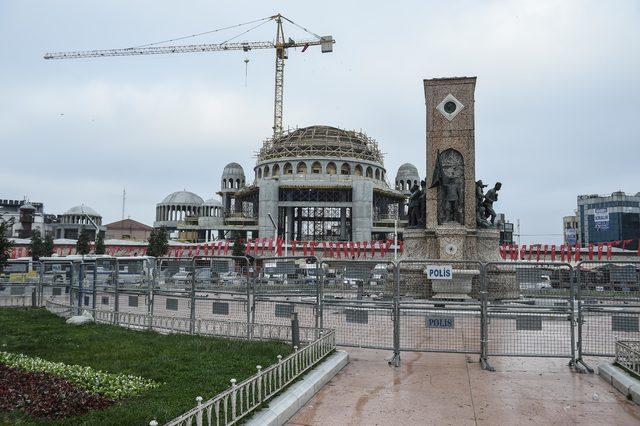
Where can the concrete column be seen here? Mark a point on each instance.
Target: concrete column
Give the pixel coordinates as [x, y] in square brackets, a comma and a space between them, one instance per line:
[289, 223]
[268, 203]
[343, 223]
[361, 217]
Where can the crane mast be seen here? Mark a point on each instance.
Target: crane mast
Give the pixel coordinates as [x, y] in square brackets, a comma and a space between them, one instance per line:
[281, 45]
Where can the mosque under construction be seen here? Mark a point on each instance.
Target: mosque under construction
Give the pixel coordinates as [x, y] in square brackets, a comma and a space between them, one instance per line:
[316, 183]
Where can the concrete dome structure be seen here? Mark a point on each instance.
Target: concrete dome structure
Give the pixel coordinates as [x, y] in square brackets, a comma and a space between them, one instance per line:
[320, 151]
[176, 207]
[406, 177]
[182, 197]
[232, 177]
[77, 218]
[82, 210]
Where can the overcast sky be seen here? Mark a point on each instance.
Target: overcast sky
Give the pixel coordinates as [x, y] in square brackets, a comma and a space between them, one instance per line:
[557, 98]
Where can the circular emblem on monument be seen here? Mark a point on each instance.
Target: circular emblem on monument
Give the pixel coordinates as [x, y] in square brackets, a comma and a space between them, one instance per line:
[450, 107]
[451, 249]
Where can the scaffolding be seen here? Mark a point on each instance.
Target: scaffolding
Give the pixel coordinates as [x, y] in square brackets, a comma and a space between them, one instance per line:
[321, 141]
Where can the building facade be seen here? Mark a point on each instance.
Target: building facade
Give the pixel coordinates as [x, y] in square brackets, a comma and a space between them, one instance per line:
[128, 229]
[570, 226]
[606, 218]
[77, 218]
[24, 217]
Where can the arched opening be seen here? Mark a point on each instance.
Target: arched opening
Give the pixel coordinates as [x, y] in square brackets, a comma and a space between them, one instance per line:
[238, 183]
[259, 173]
[400, 185]
[316, 168]
[276, 170]
[301, 168]
[358, 170]
[378, 174]
[331, 168]
[345, 169]
[369, 172]
[287, 169]
[266, 171]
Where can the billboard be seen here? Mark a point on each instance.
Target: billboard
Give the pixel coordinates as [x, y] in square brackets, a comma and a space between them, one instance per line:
[601, 219]
[570, 236]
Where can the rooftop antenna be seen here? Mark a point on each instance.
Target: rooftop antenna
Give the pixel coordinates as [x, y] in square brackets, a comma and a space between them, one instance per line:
[124, 197]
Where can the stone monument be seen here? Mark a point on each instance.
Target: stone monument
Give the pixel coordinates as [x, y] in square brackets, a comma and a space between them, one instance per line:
[455, 201]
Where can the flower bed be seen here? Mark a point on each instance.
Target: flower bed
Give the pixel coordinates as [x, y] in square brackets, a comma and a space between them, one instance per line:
[113, 386]
[45, 395]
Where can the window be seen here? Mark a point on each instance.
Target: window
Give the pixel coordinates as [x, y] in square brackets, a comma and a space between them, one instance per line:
[220, 308]
[276, 170]
[378, 174]
[331, 168]
[316, 168]
[105, 300]
[86, 300]
[172, 304]
[369, 172]
[56, 291]
[259, 173]
[287, 169]
[358, 170]
[133, 301]
[301, 168]
[266, 171]
[345, 169]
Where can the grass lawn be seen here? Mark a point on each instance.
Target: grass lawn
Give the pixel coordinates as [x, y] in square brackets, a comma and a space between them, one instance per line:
[187, 366]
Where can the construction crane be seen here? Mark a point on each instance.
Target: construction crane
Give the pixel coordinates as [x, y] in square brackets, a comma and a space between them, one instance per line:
[280, 45]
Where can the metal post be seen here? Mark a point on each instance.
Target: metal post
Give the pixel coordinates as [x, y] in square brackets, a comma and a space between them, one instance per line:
[484, 320]
[251, 276]
[95, 285]
[192, 315]
[71, 273]
[151, 293]
[80, 285]
[572, 362]
[395, 359]
[295, 330]
[41, 285]
[116, 302]
[578, 295]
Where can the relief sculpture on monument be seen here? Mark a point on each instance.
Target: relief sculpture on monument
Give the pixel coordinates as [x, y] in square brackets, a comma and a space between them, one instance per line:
[448, 177]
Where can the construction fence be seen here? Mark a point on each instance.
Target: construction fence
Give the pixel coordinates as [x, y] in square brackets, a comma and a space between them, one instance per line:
[496, 309]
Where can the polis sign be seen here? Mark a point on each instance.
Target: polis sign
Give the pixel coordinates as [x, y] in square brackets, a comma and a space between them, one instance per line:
[439, 272]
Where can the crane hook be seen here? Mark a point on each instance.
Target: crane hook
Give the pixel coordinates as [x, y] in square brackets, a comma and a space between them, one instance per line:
[246, 67]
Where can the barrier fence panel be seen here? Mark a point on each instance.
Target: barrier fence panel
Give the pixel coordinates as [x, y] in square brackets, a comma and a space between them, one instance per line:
[284, 286]
[357, 300]
[57, 278]
[20, 283]
[439, 306]
[530, 309]
[608, 298]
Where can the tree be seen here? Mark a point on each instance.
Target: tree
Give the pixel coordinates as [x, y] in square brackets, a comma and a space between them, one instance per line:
[47, 246]
[5, 244]
[238, 247]
[99, 248]
[84, 239]
[36, 246]
[158, 242]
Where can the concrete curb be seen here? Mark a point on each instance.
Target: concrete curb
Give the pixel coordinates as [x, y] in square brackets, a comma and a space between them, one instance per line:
[621, 380]
[283, 407]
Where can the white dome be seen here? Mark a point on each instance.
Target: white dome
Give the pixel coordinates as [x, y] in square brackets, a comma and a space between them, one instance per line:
[233, 169]
[407, 170]
[212, 202]
[183, 197]
[82, 210]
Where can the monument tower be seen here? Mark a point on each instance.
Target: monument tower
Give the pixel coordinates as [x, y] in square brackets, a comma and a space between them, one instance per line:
[451, 230]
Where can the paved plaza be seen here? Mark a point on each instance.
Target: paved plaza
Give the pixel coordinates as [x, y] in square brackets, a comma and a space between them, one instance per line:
[451, 389]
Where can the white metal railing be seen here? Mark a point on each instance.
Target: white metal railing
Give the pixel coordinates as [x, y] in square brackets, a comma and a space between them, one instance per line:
[15, 301]
[242, 398]
[628, 355]
[173, 324]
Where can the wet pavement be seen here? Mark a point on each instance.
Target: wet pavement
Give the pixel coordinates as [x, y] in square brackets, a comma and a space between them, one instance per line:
[451, 389]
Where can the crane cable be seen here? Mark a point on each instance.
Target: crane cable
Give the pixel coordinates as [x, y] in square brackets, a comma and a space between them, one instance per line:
[244, 32]
[267, 19]
[301, 27]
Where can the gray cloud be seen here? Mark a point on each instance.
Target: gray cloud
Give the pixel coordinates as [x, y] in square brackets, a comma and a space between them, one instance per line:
[556, 100]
